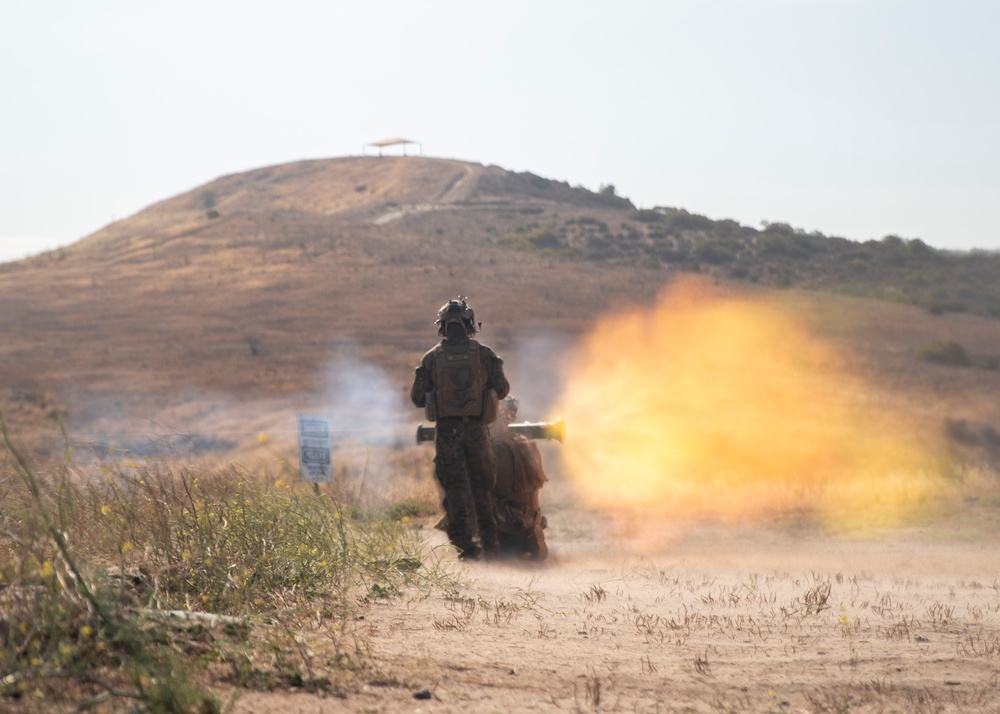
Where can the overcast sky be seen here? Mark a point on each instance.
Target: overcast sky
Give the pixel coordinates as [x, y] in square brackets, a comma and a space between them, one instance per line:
[857, 118]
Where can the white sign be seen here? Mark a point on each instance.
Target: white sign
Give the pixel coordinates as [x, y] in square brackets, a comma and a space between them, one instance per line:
[315, 463]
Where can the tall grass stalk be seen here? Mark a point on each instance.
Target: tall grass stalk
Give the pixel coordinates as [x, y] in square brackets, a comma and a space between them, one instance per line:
[93, 561]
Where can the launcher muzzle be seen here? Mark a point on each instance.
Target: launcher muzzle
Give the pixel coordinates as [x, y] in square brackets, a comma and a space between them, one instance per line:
[555, 429]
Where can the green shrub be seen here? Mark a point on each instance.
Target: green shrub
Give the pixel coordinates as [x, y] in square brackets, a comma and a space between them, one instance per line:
[670, 254]
[95, 563]
[588, 221]
[945, 352]
[940, 307]
[779, 240]
[405, 509]
[714, 253]
[543, 238]
[646, 216]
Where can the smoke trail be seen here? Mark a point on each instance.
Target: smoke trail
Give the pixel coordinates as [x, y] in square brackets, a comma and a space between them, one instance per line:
[716, 404]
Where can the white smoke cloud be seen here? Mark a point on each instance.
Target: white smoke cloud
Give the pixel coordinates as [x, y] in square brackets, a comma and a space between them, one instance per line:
[361, 402]
[535, 370]
[371, 419]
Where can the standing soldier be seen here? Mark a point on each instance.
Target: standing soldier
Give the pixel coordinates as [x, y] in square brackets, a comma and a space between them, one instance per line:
[459, 383]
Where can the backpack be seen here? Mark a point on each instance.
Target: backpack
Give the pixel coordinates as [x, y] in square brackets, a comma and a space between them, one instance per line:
[460, 379]
[519, 477]
[518, 465]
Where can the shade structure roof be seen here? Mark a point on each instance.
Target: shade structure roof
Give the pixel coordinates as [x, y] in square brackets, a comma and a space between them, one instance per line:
[391, 142]
[395, 141]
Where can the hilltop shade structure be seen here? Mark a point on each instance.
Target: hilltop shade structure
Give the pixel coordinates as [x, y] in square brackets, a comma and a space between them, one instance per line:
[394, 142]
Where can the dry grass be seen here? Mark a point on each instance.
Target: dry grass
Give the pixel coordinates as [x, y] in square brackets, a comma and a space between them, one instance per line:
[119, 584]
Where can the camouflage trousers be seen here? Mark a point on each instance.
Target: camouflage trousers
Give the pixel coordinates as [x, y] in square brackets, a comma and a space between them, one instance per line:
[463, 466]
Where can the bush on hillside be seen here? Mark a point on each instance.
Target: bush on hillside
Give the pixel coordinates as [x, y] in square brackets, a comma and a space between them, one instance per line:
[780, 240]
[541, 238]
[646, 215]
[680, 220]
[715, 252]
[947, 352]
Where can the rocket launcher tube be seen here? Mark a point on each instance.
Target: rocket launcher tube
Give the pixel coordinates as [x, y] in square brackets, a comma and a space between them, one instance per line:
[555, 429]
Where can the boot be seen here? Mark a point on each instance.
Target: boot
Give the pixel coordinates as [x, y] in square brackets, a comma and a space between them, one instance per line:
[537, 549]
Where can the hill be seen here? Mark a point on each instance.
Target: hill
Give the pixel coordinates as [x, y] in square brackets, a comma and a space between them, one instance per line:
[755, 433]
[217, 313]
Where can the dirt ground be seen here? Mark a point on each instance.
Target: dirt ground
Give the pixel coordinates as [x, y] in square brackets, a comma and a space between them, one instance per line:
[711, 618]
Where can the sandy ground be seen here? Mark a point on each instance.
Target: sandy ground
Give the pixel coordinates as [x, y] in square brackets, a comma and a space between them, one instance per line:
[714, 619]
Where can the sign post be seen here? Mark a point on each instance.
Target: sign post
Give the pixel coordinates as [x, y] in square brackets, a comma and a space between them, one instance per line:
[315, 463]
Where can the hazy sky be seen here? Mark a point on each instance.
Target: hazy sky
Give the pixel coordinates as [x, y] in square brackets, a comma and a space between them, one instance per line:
[857, 118]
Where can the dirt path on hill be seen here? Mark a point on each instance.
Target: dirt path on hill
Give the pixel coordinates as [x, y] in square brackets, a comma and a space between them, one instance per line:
[457, 190]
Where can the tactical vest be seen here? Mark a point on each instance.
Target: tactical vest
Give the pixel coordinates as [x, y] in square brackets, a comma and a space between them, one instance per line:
[459, 382]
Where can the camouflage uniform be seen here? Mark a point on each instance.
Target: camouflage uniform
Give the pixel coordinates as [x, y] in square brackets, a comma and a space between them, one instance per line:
[463, 460]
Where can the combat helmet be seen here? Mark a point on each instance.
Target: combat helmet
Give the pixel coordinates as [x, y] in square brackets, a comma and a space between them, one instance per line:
[456, 310]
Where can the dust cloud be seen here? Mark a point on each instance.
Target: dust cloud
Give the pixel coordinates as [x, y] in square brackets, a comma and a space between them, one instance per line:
[715, 404]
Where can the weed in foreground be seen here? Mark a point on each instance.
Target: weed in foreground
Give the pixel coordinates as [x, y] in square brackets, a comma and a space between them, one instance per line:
[137, 586]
